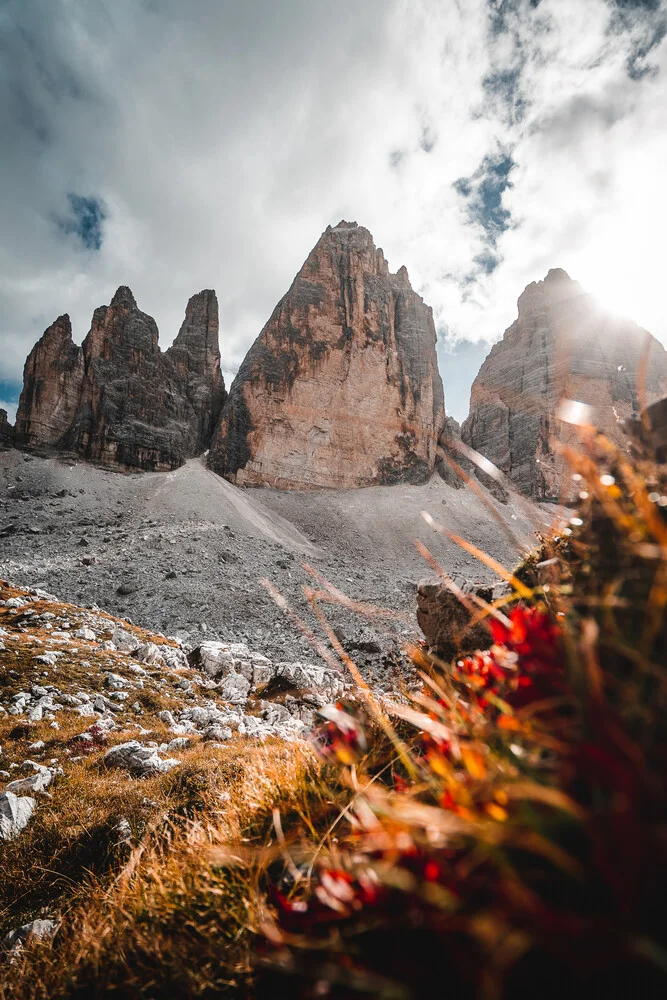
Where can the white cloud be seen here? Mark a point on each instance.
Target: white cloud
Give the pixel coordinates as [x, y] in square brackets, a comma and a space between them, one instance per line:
[223, 138]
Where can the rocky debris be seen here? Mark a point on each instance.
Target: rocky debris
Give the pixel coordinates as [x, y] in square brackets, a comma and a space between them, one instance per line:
[446, 621]
[149, 653]
[235, 689]
[218, 691]
[139, 759]
[218, 724]
[217, 734]
[118, 400]
[562, 347]
[317, 684]
[238, 670]
[283, 697]
[15, 813]
[364, 542]
[219, 659]
[173, 658]
[6, 431]
[85, 633]
[124, 641]
[39, 781]
[43, 930]
[341, 388]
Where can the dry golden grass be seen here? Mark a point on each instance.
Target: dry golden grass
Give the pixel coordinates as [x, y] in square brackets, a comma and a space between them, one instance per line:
[164, 920]
[153, 916]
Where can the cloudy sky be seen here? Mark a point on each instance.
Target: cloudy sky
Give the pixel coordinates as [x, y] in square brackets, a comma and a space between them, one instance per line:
[176, 146]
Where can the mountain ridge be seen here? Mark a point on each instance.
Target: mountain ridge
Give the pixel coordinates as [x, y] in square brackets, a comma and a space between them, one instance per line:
[341, 388]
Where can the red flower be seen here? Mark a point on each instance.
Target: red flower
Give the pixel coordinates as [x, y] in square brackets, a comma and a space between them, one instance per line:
[532, 634]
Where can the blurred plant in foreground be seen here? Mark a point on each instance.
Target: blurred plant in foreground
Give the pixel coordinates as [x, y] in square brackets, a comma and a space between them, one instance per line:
[505, 832]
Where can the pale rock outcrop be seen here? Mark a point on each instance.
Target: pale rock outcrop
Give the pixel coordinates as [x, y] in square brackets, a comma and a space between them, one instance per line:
[37, 782]
[219, 659]
[42, 930]
[138, 759]
[124, 641]
[15, 813]
[240, 671]
[341, 388]
[563, 346]
[149, 653]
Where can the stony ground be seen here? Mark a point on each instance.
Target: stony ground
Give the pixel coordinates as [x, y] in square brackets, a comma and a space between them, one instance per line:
[162, 703]
[92, 710]
[122, 765]
[90, 675]
[184, 552]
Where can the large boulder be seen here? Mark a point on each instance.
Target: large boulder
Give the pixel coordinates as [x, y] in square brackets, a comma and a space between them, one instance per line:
[221, 659]
[648, 431]
[341, 388]
[447, 623]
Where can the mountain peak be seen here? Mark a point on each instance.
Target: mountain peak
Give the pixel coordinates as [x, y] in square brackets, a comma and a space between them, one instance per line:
[118, 400]
[341, 388]
[561, 347]
[557, 274]
[123, 298]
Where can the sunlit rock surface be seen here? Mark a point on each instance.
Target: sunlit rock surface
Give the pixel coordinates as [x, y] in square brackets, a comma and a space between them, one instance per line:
[563, 346]
[341, 388]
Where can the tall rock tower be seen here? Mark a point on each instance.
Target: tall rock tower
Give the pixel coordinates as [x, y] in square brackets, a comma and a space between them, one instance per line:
[118, 400]
[341, 388]
[563, 346]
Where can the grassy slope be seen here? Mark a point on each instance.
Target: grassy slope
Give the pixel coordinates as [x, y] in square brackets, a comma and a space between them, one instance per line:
[152, 917]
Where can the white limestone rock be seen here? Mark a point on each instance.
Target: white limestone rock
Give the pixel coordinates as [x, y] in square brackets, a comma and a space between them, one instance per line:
[138, 759]
[15, 813]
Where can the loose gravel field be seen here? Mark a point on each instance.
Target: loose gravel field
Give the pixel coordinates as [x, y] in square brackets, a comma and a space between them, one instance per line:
[185, 552]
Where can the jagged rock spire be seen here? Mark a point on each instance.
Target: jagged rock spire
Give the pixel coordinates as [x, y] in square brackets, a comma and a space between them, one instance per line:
[118, 400]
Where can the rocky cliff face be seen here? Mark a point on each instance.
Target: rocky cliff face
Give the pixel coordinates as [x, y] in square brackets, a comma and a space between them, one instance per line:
[561, 347]
[341, 388]
[117, 399]
[52, 382]
[6, 431]
[195, 355]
